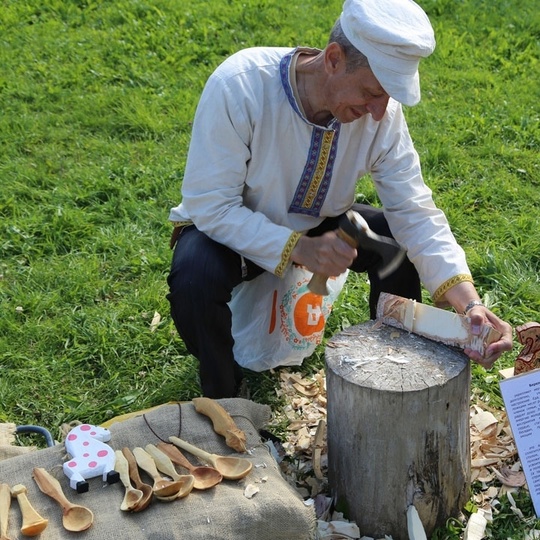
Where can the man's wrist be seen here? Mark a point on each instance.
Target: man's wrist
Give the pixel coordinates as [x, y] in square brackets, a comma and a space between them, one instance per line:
[472, 304]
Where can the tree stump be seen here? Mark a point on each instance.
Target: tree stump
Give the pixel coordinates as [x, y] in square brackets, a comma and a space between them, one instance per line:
[398, 428]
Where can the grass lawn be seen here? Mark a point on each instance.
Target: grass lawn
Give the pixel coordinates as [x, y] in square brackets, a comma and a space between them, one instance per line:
[96, 103]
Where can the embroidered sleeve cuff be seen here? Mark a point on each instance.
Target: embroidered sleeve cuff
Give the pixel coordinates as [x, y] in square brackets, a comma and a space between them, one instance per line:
[438, 296]
[286, 254]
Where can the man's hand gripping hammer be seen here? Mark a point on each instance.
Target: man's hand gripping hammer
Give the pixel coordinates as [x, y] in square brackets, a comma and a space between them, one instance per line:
[354, 230]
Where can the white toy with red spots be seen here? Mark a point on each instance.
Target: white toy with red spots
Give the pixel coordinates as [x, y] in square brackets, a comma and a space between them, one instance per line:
[90, 456]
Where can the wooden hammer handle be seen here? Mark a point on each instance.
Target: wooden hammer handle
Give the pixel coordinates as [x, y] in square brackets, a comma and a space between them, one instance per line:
[317, 284]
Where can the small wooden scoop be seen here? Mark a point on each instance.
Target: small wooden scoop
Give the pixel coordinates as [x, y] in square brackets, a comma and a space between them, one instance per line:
[205, 477]
[137, 481]
[132, 496]
[75, 517]
[32, 522]
[161, 487]
[165, 465]
[232, 468]
[5, 503]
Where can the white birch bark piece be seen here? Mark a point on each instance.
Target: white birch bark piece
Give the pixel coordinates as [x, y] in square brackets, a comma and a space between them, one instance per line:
[433, 323]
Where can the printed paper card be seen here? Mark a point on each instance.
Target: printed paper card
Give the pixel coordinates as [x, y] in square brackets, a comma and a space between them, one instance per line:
[521, 396]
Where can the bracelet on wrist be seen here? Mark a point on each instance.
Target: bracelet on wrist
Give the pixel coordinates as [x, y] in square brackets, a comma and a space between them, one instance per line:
[472, 304]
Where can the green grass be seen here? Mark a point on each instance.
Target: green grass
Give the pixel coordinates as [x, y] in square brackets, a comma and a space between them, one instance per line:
[96, 103]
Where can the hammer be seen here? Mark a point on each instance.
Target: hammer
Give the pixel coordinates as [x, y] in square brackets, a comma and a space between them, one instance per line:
[354, 230]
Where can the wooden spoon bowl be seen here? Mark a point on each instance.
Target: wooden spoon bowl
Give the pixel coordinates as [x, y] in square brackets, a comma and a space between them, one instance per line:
[77, 518]
[205, 477]
[186, 488]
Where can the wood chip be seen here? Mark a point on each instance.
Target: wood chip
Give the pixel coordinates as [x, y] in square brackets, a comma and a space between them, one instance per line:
[318, 446]
[250, 490]
[510, 478]
[156, 319]
[476, 527]
[484, 422]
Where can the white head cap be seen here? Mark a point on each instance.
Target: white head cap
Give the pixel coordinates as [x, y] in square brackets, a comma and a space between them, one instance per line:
[393, 35]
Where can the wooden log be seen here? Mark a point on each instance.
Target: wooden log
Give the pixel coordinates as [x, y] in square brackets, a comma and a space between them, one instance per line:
[398, 428]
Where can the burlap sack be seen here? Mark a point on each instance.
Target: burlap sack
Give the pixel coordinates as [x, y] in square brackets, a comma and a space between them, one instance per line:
[7, 441]
[220, 513]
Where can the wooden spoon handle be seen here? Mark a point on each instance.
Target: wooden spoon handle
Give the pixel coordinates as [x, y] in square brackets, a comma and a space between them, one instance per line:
[49, 485]
[199, 452]
[175, 455]
[223, 423]
[5, 503]
[145, 462]
[162, 461]
[133, 467]
[121, 466]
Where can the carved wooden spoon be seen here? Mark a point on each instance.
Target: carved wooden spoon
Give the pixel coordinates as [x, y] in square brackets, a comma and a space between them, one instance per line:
[205, 477]
[165, 465]
[5, 503]
[32, 522]
[132, 496]
[232, 468]
[137, 481]
[75, 517]
[161, 487]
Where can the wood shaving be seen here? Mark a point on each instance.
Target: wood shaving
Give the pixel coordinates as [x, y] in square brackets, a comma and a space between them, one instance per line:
[250, 490]
[476, 527]
[338, 529]
[156, 320]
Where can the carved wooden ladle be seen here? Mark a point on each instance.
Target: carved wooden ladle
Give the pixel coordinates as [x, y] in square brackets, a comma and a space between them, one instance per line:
[205, 477]
[5, 503]
[232, 468]
[161, 487]
[75, 517]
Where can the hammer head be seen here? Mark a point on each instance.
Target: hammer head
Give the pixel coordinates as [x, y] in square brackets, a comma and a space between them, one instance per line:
[357, 233]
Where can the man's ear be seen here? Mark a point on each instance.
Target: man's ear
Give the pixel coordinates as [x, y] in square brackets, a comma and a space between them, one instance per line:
[334, 57]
